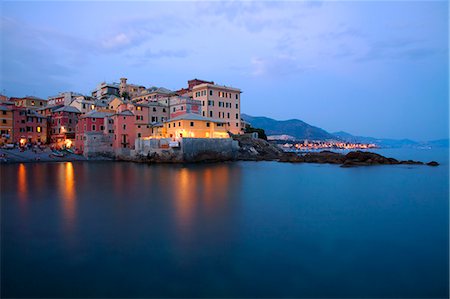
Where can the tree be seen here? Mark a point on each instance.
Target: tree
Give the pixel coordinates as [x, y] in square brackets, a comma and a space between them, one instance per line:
[261, 132]
[125, 95]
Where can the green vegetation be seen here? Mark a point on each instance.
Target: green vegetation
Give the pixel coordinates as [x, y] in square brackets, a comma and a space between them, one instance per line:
[261, 132]
[125, 95]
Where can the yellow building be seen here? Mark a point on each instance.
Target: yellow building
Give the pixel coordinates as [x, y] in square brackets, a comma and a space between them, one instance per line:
[194, 126]
[6, 125]
[30, 102]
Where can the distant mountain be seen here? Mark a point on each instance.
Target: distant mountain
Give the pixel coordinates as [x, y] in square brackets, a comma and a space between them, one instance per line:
[385, 142]
[297, 129]
[293, 127]
[439, 143]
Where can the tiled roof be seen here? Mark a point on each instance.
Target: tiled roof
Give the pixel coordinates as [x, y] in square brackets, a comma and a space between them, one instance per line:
[96, 114]
[193, 116]
[68, 109]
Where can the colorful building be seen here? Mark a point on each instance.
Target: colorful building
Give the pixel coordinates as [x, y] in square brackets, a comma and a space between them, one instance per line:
[179, 105]
[124, 130]
[29, 126]
[220, 102]
[30, 102]
[92, 122]
[131, 89]
[6, 124]
[194, 126]
[63, 126]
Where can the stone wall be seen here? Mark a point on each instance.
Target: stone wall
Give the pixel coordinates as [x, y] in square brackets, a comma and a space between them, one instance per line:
[98, 145]
[189, 150]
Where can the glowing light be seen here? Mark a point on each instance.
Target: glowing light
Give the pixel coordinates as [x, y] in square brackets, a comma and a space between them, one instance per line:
[68, 143]
[22, 141]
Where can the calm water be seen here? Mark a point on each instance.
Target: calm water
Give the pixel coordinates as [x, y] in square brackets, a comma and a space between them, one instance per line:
[248, 229]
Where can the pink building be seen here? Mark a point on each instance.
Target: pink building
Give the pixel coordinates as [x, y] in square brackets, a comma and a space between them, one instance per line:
[124, 130]
[181, 105]
[63, 125]
[92, 122]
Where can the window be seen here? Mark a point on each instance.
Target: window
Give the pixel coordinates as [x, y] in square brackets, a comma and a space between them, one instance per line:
[237, 116]
[203, 103]
[179, 123]
[93, 127]
[192, 123]
[203, 113]
[210, 92]
[237, 124]
[4, 112]
[139, 127]
[70, 121]
[139, 135]
[236, 106]
[38, 129]
[228, 115]
[169, 126]
[124, 127]
[154, 109]
[174, 109]
[137, 117]
[182, 107]
[174, 125]
[164, 109]
[4, 121]
[236, 96]
[208, 124]
[102, 128]
[210, 114]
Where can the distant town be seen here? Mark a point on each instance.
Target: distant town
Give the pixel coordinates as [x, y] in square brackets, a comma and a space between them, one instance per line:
[319, 145]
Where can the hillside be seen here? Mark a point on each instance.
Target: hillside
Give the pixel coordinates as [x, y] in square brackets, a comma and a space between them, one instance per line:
[293, 127]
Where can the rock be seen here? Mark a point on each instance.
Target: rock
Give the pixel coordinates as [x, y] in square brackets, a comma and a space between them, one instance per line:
[433, 163]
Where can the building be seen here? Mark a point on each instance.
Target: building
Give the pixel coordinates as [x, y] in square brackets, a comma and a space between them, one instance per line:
[95, 123]
[194, 126]
[83, 104]
[63, 98]
[30, 102]
[6, 124]
[63, 126]
[29, 126]
[131, 90]
[104, 90]
[124, 130]
[152, 94]
[179, 105]
[191, 83]
[220, 102]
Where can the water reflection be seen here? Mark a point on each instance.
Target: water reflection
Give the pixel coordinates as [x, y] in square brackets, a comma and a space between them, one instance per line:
[186, 197]
[201, 197]
[22, 183]
[66, 187]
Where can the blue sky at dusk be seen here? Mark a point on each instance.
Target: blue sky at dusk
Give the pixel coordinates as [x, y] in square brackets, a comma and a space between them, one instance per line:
[369, 68]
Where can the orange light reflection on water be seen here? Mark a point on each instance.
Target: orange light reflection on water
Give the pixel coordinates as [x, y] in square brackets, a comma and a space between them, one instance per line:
[22, 185]
[67, 193]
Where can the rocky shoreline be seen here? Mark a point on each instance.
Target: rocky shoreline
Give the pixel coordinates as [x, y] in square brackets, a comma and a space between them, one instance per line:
[261, 150]
[249, 150]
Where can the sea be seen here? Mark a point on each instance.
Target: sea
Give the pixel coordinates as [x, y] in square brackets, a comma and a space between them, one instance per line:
[235, 229]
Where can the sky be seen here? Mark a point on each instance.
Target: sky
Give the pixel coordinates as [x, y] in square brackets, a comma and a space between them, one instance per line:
[377, 69]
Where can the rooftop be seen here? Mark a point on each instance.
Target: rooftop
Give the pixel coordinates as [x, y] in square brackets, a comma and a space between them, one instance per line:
[193, 116]
[68, 109]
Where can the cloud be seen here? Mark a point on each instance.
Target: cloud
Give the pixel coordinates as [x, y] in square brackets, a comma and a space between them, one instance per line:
[277, 66]
[399, 49]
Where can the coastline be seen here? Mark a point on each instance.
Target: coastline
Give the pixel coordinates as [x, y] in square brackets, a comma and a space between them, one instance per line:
[249, 150]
